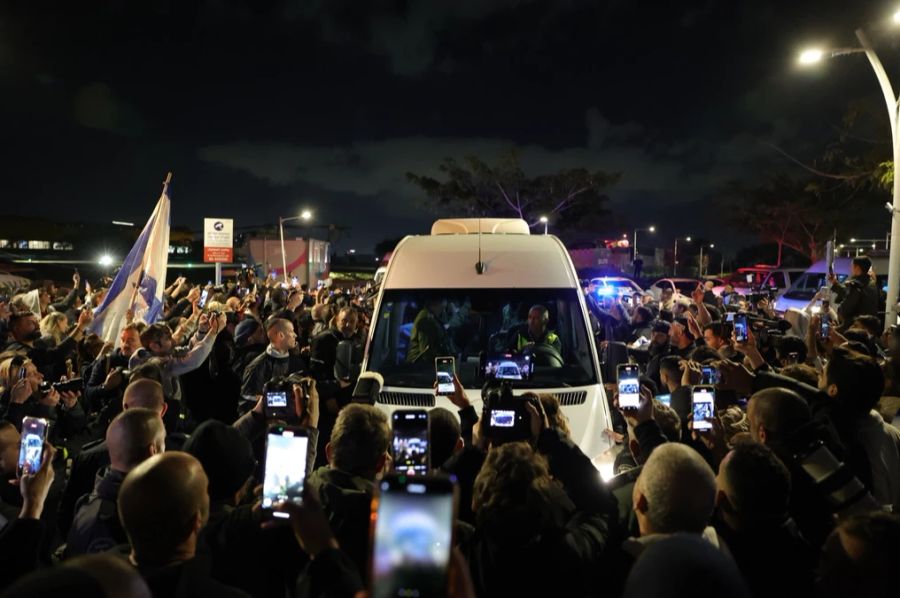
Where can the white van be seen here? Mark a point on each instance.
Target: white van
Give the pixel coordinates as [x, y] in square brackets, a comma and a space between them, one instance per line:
[805, 287]
[520, 270]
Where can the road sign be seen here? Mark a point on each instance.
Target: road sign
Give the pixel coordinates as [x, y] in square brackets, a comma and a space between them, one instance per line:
[218, 242]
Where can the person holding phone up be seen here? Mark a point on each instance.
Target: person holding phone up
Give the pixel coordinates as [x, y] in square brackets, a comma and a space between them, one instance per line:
[858, 295]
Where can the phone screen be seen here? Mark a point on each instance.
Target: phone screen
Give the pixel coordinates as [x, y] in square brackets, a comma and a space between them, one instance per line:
[410, 441]
[664, 399]
[702, 405]
[276, 404]
[444, 368]
[740, 328]
[413, 537]
[824, 326]
[503, 418]
[286, 450]
[710, 375]
[629, 387]
[31, 449]
[203, 295]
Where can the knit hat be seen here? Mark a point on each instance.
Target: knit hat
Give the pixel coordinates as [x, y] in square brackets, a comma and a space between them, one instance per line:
[226, 455]
[245, 330]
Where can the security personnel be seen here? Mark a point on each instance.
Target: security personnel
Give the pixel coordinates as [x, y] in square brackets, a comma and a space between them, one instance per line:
[534, 332]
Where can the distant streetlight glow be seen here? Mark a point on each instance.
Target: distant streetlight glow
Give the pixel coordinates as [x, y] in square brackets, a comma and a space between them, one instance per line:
[811, 56]
[105, 260]
[650, 228]
[305, 215]
[544, 220]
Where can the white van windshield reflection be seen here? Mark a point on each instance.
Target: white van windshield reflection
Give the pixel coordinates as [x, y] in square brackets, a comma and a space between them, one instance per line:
[481, 328]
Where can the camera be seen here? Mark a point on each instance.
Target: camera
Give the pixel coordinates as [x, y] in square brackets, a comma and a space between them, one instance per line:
[505, 417]
[279, 397]
[844, 493]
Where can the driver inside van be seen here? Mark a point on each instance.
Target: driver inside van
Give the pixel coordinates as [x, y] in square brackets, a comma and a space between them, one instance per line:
[534, 332]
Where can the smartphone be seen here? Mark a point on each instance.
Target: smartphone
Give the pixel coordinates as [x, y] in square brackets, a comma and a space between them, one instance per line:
[277, 404]
[444, 368]
[664, 399]
[31, 448]
[294, 280]
[286, 448]
[412, 535]
[824, 325]
[741, 332]
[629, 386]
[703, 400]
[203, 295]
[410, 443]
[710, 375]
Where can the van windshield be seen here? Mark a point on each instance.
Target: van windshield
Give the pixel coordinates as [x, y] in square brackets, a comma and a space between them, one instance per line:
[482, 329]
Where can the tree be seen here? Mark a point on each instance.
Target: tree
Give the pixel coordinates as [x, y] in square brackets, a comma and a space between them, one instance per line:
[571, 198]
[386, 246]
[796, 213]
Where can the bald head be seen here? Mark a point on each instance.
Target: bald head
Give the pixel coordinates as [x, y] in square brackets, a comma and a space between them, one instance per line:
[163, 503]
[145, 393]
[133, 436]
[676, 491]
[775, 413]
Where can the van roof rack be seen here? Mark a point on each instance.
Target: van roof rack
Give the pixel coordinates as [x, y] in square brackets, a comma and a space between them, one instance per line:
[488, 226]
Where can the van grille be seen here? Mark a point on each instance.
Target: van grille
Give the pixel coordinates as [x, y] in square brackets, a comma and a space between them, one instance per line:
[572, 398]
[406, 399]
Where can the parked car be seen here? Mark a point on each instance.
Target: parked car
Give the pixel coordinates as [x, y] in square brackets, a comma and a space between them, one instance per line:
[753, 278]
[806, 285]
[681, 286]
[615, 285]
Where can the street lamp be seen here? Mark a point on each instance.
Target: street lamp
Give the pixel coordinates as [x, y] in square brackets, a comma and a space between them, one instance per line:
[544, 220]
[711, 246]
[675, 255]
[893, 104]
[105, 260]
[305, 216]
[651, 229]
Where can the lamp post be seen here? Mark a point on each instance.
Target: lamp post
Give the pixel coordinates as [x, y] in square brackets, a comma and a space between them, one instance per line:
[651, 229]
[675, 255]
[544, 220]
[700, 269]
[305, 215]
[893, 104]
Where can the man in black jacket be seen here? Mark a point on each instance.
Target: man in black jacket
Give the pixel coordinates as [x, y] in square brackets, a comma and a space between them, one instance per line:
[133, 437]
[858, 296]
[277, 361]
[753, 492]
[163, 505]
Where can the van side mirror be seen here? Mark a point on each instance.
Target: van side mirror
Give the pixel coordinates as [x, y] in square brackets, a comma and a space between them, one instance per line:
[348, 361]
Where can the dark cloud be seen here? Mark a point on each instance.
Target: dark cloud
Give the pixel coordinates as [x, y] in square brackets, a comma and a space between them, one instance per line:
[262, 106]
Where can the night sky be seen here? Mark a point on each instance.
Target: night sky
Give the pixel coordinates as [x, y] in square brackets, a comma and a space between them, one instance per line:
[264, 108]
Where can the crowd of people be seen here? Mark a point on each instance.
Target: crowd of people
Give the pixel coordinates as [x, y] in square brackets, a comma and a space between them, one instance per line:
[150, 479]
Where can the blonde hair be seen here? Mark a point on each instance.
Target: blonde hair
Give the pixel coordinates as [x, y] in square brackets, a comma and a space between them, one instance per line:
[50, 325]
